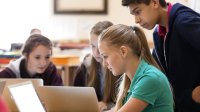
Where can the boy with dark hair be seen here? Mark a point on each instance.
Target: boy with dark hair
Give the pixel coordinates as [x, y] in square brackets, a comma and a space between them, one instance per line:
[177, 46]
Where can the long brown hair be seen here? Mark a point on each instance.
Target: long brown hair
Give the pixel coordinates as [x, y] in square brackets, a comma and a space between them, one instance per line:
[35, 40]
[134, 37]
[109, 82]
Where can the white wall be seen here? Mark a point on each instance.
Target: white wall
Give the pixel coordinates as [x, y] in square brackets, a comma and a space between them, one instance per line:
[18, 17]
[81, 24]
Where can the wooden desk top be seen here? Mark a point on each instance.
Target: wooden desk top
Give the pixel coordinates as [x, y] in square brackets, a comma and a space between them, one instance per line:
[73, 45]
[65, 60]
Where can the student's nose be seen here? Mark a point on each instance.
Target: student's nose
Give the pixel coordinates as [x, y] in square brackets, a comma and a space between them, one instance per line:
[43, 62]
[137, 19]
[105, 63]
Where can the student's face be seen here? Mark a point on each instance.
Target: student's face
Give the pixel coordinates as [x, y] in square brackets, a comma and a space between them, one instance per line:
[112, 58]
[39, 59]
[145, 15]
[94, 46]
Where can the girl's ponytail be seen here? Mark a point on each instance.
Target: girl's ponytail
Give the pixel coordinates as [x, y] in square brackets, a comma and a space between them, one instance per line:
[145, 52]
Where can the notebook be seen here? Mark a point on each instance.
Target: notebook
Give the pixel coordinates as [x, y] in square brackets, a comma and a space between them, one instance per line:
[9, 81]
[25, 97]
[68, 99]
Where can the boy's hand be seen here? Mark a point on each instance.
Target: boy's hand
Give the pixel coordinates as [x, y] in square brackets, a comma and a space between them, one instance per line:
[196, 94]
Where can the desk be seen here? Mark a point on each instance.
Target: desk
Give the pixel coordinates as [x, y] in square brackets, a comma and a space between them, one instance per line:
[67, 65]
[6, 57]
[73, 45]
[4, 62]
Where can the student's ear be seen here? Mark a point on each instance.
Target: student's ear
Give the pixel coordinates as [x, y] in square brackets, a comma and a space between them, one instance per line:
[155, 3]
[123, 51]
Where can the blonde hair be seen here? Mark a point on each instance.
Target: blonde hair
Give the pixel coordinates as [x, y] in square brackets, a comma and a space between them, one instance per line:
[134, 37]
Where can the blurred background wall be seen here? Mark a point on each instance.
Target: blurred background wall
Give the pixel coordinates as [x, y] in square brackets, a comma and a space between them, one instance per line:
[18, 17]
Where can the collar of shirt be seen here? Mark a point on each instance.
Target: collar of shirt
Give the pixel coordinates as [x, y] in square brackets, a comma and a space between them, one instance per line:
[162, 30]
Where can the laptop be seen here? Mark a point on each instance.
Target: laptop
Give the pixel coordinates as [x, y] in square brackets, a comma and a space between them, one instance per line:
[2, 85]
[68, 99]
[9, 81]
[25, 97]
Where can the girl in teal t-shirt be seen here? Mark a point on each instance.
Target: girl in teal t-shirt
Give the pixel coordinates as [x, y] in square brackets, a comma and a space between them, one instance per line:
[144, 88]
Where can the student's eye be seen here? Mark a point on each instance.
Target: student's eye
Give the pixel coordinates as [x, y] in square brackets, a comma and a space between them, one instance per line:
[104, 57]
[137, 12]
[37, 57]
[48, 57]
[92, 46]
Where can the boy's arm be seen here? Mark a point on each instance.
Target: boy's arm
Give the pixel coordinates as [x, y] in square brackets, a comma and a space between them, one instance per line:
[189, 30]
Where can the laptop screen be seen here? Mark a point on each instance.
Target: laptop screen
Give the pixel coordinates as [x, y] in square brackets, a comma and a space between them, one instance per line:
[10, 81]
[68, 99]
[26, 97]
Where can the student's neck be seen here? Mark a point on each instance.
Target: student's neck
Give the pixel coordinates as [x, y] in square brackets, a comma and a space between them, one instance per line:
[164, 18]
[132, 66]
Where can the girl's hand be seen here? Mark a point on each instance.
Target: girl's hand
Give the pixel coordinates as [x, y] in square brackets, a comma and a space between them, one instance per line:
[111, 110]
[102, 106]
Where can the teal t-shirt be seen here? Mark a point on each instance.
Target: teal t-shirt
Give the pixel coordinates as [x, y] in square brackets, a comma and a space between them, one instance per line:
[152, 86]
